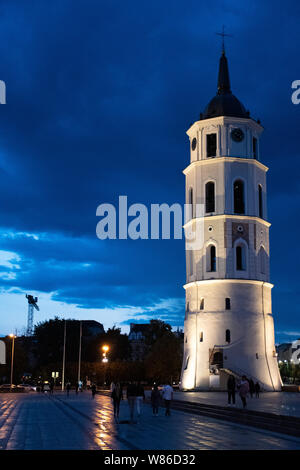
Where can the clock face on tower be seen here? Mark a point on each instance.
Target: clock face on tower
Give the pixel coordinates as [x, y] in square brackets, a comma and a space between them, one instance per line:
[237, 134]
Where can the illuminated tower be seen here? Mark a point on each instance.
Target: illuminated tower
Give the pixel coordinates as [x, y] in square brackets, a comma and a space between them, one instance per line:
[228, 323]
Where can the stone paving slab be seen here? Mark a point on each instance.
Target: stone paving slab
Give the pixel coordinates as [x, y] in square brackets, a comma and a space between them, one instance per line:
[37, 421]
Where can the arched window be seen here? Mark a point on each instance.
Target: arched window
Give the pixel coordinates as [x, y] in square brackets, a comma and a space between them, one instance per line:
[240, 258]
[211, 259]
[191, 264]
[227, 336]
[210, 197]
[260, 201]
[239, 197]
[191, 202]
[262, 256]
[254, 146]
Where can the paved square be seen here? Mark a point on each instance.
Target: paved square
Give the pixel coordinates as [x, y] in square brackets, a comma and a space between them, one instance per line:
[37, 421]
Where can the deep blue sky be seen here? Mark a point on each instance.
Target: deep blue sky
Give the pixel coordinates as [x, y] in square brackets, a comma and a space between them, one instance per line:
[99, 97]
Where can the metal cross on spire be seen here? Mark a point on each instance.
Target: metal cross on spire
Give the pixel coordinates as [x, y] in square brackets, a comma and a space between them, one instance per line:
[223, 34]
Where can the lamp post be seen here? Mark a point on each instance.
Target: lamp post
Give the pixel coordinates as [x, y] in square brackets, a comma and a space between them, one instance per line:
[12, 359]
[64, 358]
[79, 354]
[105, 349]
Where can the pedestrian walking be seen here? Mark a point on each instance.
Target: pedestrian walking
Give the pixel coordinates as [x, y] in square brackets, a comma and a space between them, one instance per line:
[251, 388]
[51, 386]
[131, 398]
[140, 398]
[112, 386]
[117, 396]
[231, 389]
[94, 389]
[243, 390]
[168, 397]
[68, 387]
[257, 389]
[155, 399]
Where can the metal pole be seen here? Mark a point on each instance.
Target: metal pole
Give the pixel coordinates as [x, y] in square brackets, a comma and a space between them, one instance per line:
[12, 361]
[64, 359]
[79, 357]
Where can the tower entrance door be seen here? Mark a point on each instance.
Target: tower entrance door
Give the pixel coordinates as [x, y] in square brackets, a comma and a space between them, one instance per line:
[215, 359]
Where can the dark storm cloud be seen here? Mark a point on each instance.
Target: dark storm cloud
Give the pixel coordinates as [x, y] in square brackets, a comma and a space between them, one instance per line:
[99, 96]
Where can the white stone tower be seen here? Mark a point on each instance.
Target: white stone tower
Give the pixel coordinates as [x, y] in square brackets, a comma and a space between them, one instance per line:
[228, 322]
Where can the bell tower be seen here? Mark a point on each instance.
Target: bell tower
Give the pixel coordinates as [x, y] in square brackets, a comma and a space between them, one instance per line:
[228, 325]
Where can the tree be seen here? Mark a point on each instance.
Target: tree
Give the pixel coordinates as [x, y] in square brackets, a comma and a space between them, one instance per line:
[163, 363]
[156, 330]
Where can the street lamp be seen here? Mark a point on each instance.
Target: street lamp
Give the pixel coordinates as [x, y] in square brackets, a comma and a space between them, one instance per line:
[105, 349]
[12, 358]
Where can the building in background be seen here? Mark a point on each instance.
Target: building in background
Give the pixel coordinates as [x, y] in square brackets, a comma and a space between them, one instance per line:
[289, 352]
[137, 337]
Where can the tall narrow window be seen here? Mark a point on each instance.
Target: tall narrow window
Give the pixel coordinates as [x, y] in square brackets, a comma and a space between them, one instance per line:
[210, 197]
[262, 255]
[260, 201]
[201, 337]
[239, 197]
[227, 336]
[187, 363]
[227, 303]
[240, 258]
[191, 264]
[254, 146]
[211, 260]
[211, 145]
[202, 304]
[191, 202]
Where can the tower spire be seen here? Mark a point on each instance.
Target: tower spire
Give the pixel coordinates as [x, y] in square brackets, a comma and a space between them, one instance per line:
[223, 78]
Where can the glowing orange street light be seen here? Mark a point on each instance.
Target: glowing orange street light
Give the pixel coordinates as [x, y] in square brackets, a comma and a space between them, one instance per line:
[105, 350]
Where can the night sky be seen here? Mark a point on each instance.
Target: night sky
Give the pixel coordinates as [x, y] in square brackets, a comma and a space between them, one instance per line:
[99, 97]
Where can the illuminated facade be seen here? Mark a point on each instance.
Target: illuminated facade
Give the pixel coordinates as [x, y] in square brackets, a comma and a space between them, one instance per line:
[228, 322]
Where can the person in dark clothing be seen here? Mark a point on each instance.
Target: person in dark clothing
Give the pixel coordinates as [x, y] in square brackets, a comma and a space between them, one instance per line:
[251, 388]
[51, 386]
[140, 398]
[257, 389]
[94, 389]
[243, 387]
[117, 396]
[155, 400]
[231, 389]
[131, 398]
[68, 387]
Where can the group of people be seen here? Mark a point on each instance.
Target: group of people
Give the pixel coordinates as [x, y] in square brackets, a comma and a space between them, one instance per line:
[244, 386]
[135, 395]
